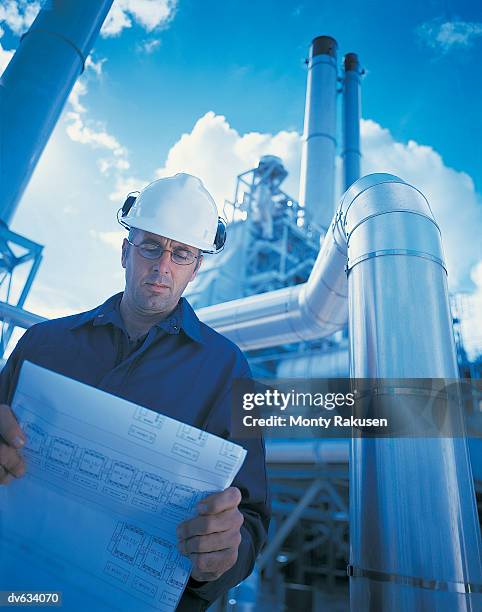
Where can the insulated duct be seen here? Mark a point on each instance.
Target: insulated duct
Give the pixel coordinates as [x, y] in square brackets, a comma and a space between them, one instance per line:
[35, 87]
[317, 177]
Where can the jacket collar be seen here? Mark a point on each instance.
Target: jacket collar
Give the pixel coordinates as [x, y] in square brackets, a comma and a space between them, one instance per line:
[183, 317]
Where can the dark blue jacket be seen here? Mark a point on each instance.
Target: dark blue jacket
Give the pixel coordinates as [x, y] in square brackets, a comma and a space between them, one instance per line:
[183, 369]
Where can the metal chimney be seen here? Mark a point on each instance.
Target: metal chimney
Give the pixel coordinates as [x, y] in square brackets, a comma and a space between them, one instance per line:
[35, 86]
[317, 179]
[351, 120]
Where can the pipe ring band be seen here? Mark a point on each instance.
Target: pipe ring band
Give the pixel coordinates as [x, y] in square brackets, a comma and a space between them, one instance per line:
[422, 583]
[413, 253]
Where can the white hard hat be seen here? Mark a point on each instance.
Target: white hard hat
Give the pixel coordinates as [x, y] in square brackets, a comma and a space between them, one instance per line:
[177, 207]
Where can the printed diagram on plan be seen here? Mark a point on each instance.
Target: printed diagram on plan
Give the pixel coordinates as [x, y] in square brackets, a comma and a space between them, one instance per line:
[108, 482]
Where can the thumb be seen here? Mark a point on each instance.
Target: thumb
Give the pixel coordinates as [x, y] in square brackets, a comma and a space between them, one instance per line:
[10, 430]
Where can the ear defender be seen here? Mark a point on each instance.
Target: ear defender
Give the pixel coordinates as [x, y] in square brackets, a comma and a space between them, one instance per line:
[126, 207]
[129, 203]
[220, 239]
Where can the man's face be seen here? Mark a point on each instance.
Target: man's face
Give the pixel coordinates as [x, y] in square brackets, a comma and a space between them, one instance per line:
[154, 286]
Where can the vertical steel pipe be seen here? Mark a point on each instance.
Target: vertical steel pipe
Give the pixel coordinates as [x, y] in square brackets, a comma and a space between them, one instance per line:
[351, 154]
[317, 178]
[414, 532]
[35, 87]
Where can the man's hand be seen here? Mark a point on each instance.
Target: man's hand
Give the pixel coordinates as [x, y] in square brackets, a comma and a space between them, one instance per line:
[12, 439]
[211, 539]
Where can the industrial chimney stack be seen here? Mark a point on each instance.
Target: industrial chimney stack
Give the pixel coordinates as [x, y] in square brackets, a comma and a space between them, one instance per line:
[317, 181]
[351, 120]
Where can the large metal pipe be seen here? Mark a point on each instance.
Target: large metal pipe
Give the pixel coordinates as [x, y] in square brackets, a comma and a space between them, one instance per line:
[312, 310]
[351, 154]
[415, 539]
[317, 177]
[414, 532]
[35, 87]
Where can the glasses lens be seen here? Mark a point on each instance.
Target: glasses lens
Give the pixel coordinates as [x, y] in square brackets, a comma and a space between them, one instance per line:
[150, 250]
[182, 257]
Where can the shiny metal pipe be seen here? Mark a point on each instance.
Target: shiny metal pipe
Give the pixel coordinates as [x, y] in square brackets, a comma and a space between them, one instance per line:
[35, 87]
[315, 309]
[414, 533]
[415, 539]
[351, 154]
[317, 177]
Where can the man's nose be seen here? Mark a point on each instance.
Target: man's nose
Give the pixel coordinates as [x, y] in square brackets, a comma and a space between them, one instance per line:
[163, 263]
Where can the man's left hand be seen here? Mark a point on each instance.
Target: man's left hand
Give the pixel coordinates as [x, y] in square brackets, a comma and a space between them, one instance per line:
[211, 539]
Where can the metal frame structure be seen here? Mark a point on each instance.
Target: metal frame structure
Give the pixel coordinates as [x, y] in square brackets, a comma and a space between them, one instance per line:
[286, 258]
[310, 524]
[10, 261]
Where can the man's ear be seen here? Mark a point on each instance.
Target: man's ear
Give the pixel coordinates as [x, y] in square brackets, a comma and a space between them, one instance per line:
[125, 249]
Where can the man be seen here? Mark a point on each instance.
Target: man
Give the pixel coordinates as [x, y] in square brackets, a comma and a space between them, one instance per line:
[147, 346]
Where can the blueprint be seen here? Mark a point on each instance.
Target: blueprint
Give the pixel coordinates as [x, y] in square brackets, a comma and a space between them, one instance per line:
[107, 483]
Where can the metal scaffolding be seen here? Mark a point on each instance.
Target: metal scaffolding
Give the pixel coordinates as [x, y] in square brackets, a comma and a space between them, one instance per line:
[19, 257]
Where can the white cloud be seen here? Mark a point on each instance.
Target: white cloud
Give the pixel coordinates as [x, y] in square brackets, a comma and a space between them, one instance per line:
[5, 54]
[5, 57]
[94, 134]
[115, 22]
[112, 239]
[217, 153]
[97, 138]
[149, 46]
[456, 206]
[125, 185]
[80, 86]
[51, 302]
[79, 89]
[77, 271]
[96, 67]
[106, 164]
[150, 14]
[445, 35]
[18, 14]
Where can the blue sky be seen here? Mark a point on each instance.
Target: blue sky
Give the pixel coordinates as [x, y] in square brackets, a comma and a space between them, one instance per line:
[248, 65]
[208, 86]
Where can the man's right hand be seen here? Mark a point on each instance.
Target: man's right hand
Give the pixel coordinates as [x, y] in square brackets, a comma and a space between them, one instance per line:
[12, 439]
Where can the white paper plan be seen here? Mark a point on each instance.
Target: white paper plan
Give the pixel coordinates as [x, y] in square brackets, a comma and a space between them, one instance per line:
[107, 483]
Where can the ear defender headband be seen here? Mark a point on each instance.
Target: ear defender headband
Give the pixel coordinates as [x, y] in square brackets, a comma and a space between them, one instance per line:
[219, 239]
